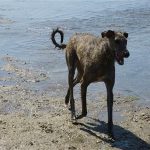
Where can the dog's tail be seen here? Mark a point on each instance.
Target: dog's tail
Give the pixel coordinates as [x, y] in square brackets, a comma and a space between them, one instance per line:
[61, 45]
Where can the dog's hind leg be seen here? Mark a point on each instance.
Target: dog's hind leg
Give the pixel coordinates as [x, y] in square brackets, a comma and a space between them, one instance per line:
[71, 63]
[75, 81]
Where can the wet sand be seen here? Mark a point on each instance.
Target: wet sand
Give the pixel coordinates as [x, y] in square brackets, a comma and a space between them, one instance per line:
[33, 120]
[33, 82]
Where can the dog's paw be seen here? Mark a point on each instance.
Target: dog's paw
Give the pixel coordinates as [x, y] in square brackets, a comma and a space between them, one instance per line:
[74, 119]
[81, 116]
[67, 107]
[111, 136]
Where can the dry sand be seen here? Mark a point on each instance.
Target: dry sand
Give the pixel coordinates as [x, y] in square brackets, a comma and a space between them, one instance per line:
[33, 120]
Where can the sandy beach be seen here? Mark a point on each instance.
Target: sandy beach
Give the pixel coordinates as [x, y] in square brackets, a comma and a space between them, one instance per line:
[30, 119]
[33, 76]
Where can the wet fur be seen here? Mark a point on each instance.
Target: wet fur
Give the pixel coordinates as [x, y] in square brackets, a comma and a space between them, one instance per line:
[94, 59]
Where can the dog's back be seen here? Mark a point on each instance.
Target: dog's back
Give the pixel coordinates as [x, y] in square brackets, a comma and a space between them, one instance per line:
[90, 50]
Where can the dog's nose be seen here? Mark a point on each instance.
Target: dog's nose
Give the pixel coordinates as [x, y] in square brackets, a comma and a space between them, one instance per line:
[126, 54]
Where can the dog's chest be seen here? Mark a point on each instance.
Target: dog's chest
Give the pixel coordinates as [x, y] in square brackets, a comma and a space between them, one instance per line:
[97, 72]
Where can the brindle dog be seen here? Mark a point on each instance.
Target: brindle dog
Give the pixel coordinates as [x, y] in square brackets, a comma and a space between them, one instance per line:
[94, 58]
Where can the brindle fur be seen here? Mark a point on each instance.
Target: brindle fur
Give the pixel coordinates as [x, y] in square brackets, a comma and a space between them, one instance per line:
[94, 59]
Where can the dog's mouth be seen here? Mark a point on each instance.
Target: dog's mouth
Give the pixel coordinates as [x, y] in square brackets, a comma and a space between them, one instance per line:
[120, 55]
[119, 58]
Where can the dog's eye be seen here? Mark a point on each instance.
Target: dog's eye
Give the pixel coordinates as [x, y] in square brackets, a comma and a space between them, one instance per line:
[117, 41]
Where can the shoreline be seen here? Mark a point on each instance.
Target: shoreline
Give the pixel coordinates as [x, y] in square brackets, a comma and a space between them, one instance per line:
[30, 119]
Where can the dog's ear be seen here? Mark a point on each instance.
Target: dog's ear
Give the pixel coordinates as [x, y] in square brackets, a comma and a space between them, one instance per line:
[125, 34]
[108, 34]
[103, 34]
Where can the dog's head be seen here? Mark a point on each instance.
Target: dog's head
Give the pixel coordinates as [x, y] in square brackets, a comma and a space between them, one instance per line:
[120, 43]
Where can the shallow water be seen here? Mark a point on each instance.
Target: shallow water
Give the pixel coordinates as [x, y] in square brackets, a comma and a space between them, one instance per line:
[25, 27]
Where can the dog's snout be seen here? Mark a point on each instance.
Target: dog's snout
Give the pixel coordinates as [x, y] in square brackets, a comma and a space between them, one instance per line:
[126, 54]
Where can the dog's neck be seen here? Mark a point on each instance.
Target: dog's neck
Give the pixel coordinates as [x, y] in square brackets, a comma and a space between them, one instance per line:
[110, 51]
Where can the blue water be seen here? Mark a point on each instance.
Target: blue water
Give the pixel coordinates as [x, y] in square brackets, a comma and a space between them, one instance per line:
[25, 27]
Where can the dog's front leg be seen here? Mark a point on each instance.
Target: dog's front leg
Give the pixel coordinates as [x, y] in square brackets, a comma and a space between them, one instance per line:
[83, 98]
[109, 87]
[84, 86]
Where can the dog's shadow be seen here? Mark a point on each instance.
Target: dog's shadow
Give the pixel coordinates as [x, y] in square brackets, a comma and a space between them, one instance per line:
[124, 139]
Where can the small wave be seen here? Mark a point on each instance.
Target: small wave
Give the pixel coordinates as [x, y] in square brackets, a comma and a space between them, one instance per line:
[6, 21]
